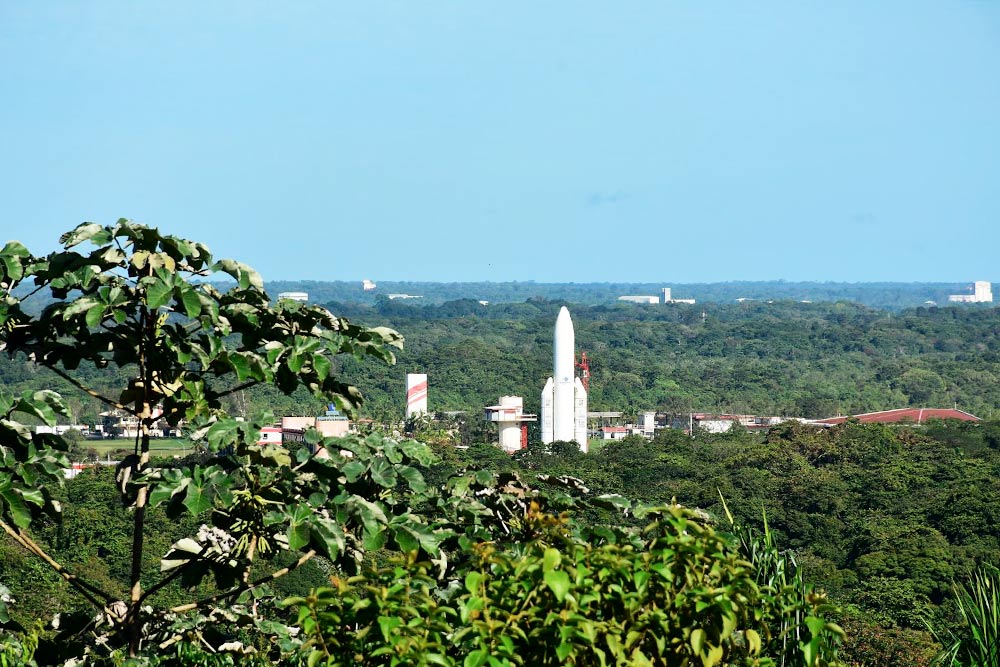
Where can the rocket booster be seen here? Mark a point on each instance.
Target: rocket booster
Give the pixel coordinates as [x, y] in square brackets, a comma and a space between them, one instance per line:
[564, 346]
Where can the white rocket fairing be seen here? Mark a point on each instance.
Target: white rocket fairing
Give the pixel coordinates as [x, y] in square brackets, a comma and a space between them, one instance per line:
[564, 400]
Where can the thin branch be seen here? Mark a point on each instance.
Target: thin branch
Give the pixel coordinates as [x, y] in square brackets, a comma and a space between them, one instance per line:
[86, 589]
[88, 390]
[277, 574]
[166, 580]
[245, 385]
[32, 292]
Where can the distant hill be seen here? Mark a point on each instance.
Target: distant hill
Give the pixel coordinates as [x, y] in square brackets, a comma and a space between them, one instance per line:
[889, 296]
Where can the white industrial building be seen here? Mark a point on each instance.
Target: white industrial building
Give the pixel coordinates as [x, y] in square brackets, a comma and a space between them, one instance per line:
[634, 298]
[509, 415]
[982, 292]
[294, 296]
[647, 298]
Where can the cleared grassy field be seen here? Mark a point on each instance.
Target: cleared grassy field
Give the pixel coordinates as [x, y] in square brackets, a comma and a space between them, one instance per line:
[157, 447]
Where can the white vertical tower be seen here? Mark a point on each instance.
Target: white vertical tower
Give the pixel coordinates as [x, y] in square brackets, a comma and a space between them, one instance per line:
[984, 291]
[510, 417]
[564, 400]
[416, 394]
[580, 415]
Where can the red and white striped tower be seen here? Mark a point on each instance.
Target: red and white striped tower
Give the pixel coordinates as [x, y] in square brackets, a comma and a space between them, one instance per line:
[416, 394]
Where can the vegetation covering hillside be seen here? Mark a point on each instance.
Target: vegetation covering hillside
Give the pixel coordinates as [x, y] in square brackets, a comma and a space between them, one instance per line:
[806, 360]
[784, 358]
[684, 550]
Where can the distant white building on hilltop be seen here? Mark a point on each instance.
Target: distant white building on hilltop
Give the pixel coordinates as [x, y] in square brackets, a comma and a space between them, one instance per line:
[982, 293]
[643, 298]
[294, 296]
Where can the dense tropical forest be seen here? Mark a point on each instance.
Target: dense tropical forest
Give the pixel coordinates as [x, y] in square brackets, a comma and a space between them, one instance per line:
[855, 545]
[885, 519]
[783, 358]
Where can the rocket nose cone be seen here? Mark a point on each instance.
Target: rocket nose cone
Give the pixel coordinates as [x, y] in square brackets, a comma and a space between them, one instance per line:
[563, 315]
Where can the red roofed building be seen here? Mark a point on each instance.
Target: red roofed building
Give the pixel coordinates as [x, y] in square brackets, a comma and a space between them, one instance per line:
[911, 415]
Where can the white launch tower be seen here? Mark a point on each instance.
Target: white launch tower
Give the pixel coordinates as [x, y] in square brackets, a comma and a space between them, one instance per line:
[509, 415]
[564, 400]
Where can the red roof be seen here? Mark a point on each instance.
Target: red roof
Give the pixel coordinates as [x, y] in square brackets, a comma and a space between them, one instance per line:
[614, 429]
[915, 415]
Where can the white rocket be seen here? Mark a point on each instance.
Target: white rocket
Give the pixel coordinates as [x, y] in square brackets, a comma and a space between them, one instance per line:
[564, 400]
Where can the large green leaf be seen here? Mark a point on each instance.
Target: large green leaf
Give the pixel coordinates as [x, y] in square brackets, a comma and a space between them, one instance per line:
[12, 256]
[299, 517]
[16, 509]
[171, 483]
[189, 298]
[84, 232]
[158, 293]
[199, 496]
[558, 582]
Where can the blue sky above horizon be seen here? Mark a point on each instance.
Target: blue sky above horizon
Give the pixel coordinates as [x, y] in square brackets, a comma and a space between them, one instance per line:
[558, 142]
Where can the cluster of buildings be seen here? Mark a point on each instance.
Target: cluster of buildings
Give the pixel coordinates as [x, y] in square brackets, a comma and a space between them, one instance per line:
[666, 294]
[564, 399]
[982, 292]
[333, 424]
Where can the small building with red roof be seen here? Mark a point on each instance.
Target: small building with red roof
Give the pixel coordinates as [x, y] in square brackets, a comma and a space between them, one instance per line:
[909, 415]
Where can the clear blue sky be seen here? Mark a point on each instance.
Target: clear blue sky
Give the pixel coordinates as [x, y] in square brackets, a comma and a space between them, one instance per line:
[551, 141]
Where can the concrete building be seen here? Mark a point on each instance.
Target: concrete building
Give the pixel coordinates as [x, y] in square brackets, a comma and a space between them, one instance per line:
[331, 425]
[982, 292]
[647, 424]
[121, 424]
[722, 423]
[294, 296]
[270, 435]
[512, 421]
[368, 285]
[643, 298]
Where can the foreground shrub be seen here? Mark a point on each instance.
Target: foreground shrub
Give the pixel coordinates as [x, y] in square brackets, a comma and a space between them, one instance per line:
[679, 593]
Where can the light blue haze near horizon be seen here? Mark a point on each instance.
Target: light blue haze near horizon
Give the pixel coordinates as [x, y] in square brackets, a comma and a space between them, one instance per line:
[561, 142]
